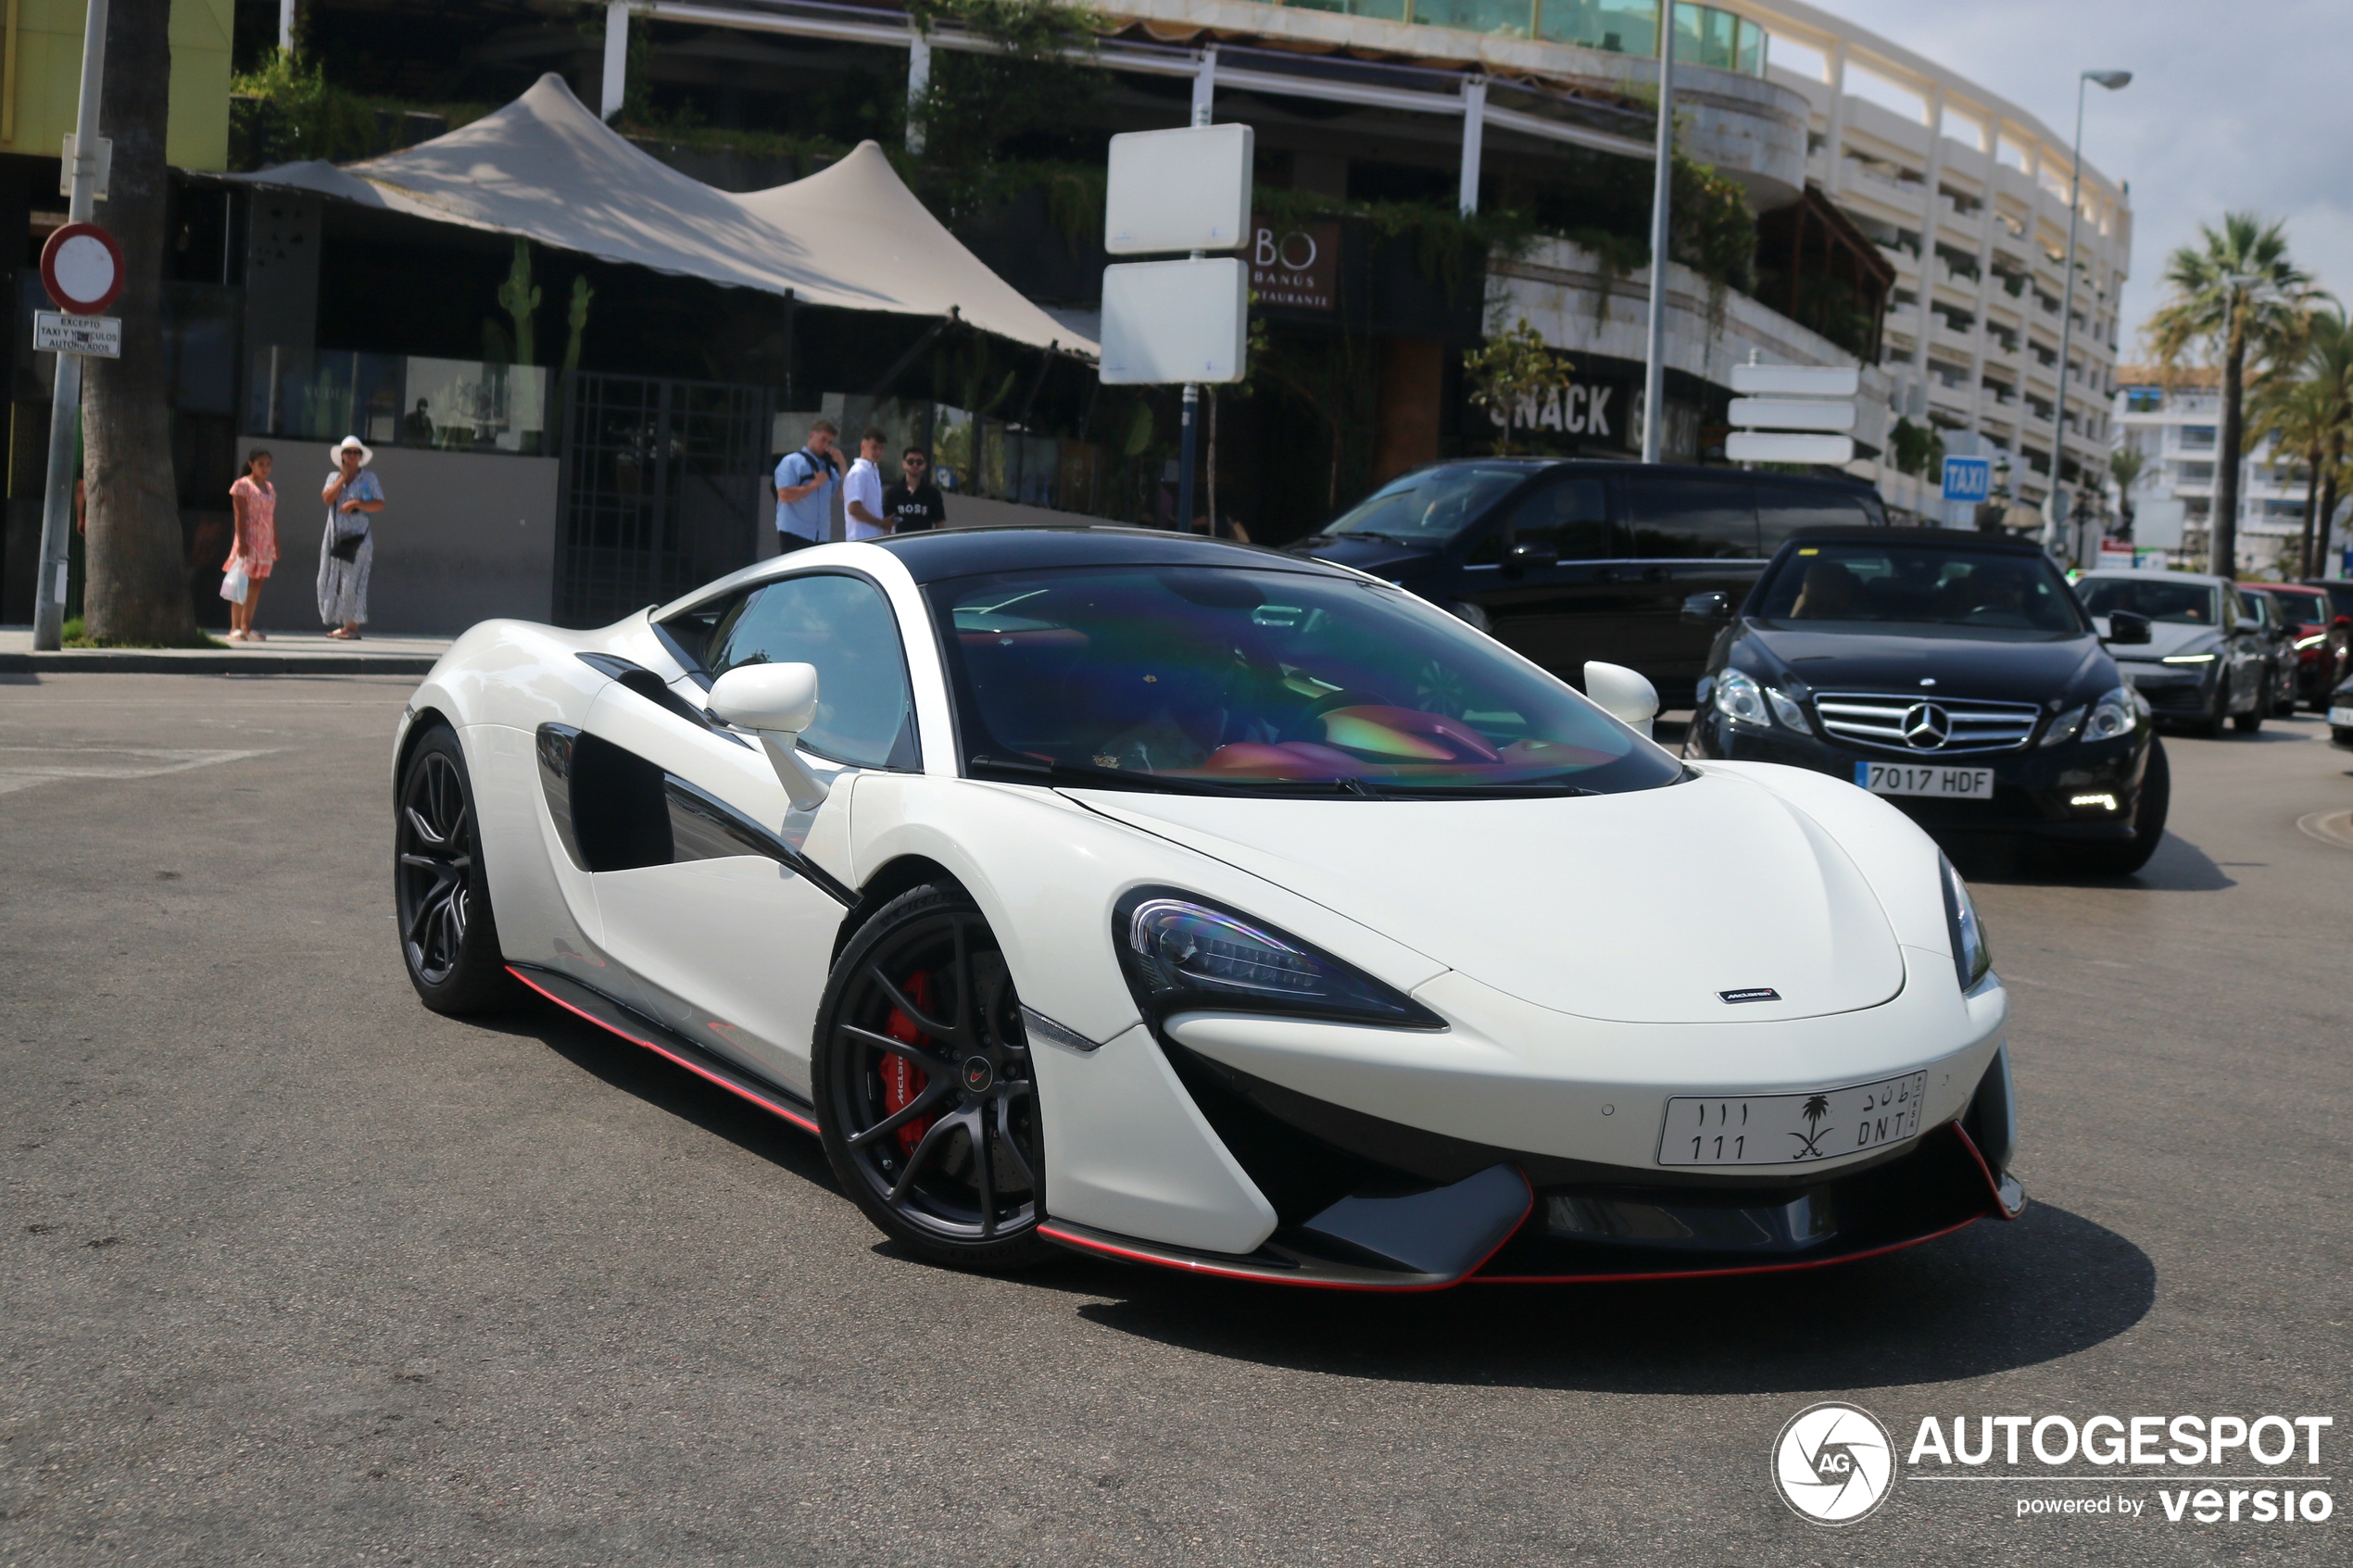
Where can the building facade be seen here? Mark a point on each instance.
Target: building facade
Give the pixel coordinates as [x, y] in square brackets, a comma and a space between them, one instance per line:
[2177, 431]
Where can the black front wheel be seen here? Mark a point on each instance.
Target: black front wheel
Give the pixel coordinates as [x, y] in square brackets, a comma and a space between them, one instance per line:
[2126, 856]
[924, 1093]
[448, 943]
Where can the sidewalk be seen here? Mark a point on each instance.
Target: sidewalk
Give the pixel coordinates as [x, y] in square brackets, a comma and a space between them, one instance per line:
[286, 653]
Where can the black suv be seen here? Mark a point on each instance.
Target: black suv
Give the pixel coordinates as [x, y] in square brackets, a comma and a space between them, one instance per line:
[1567, 561]
[1955, 673]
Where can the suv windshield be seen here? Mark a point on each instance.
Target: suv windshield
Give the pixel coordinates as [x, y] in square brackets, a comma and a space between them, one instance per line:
[1429, 506]
[1919, 583]
[1227, 680]
[2190, 603]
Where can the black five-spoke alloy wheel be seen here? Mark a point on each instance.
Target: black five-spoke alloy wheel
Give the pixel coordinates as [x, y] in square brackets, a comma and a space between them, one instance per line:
[924, 1088]
[447, 940]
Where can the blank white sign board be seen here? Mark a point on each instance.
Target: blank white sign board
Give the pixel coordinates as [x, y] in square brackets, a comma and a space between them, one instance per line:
[1173, 321]
[1186, 189]
[1756, 447]
[1790, 413]
[1796, 380]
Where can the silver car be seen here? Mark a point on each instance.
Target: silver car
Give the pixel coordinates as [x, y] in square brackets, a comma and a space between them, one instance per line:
[2206, 658]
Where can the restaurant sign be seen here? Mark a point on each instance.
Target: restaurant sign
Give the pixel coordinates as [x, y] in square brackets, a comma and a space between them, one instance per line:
[1294, 267]
[1582, 411]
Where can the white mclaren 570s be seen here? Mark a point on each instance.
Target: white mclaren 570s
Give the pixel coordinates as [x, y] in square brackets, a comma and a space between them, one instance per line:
[1184, 903]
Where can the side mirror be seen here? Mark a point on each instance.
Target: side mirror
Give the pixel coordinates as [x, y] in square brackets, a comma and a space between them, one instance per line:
[776, 702]
[1707, 609]
[2127, 626]
[1520, 557]
[1622, 693]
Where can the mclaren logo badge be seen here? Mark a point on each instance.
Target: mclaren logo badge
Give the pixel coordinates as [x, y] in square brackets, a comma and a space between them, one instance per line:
[1751, 994]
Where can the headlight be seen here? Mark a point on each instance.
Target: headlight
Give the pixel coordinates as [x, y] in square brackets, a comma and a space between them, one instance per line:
[2114, 714]
[2315, 640]
[2187, 659]
[1739, 697]
[1972, 961]
[1182, 955]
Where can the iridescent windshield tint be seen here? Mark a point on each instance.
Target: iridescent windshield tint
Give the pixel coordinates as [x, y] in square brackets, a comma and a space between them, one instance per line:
[1265, 682]
[1918, 584]
[1429, 506]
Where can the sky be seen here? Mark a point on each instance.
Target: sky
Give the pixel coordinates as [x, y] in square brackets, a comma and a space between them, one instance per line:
[2233, 105]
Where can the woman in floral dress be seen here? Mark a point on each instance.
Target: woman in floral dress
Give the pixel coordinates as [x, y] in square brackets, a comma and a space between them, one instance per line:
[255, 501]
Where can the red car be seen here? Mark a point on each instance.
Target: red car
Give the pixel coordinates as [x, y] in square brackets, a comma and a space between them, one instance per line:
[2307, 614]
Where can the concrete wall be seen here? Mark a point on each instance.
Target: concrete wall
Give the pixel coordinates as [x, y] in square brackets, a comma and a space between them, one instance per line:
[463, 537]
[44, 76]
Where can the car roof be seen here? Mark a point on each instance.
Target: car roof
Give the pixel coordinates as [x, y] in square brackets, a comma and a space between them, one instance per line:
[1673, 471]
[2310, 590]
[1947, 538]
[935, 555]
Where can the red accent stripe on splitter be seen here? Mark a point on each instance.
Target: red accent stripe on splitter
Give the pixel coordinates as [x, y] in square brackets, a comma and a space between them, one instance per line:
[771, 1106]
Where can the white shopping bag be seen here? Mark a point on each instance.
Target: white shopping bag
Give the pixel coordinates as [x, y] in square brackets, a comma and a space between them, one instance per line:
[233, 584]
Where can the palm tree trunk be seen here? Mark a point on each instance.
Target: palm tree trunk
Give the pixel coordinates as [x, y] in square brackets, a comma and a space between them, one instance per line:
[2321, 525]
[138, 587]
[2222, 528]
[2311, 500]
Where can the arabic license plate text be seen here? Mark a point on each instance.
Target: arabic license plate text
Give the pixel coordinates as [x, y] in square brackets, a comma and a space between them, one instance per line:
[1791, 1129]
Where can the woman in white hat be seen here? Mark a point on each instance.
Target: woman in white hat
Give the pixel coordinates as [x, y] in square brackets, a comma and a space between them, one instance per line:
[350, 546]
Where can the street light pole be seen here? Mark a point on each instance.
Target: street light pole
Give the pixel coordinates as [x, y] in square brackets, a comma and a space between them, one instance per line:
[65, 403]
[1654, 334]
[2053, 511]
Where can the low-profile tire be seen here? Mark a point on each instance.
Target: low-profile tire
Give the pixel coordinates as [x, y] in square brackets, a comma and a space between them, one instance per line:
[448, 940]
[2123, 857]
[2246, 724]
[925, 1098]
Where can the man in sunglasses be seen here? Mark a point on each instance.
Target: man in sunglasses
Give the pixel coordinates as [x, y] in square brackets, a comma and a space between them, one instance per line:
[913, 505]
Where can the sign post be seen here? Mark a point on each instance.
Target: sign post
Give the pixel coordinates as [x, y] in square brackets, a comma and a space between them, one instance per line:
[1178, 322]
[82, 270]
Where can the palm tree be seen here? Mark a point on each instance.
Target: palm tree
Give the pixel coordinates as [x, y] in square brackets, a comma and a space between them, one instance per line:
[2125, 465]
[2297, 416]
[2328, 361]
[2237, 296]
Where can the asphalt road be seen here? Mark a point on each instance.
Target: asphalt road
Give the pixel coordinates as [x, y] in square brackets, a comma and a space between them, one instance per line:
[296, 1272]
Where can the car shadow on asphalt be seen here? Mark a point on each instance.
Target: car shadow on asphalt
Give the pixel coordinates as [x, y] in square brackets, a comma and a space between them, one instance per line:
[2178, 865]
[1993, 1298]
[665, 1085]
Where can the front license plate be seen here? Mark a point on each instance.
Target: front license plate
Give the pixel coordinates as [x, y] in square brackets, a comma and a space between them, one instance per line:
[1919, 778]
[1791, 1129]
[2341, 718]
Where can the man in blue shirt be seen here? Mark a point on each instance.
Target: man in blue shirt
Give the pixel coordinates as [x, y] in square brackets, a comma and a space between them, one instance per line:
[804, 486]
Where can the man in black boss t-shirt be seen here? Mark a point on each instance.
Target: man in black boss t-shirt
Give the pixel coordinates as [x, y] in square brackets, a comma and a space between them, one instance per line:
[914, 504]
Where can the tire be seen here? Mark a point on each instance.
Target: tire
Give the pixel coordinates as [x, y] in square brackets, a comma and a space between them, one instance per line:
[2209, 723]
[2246, 724]
[925, 1094]
[449, 939]
[2126, 856]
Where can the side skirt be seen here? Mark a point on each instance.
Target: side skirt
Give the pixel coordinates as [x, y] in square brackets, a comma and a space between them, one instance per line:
[638, 1030]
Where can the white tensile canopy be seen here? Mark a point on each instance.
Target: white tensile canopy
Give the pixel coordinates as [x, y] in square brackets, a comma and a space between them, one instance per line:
[851, 235]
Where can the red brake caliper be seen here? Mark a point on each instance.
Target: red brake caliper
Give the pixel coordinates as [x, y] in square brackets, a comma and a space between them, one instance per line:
[901, 1079]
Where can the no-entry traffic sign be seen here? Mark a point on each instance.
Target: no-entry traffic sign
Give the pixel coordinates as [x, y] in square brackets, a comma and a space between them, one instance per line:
[82, 267]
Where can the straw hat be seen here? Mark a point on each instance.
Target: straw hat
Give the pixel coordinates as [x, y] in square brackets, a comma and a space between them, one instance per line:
[353, 444]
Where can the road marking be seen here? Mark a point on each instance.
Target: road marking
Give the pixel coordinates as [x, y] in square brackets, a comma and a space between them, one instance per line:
[21, 766]
[2329, 827]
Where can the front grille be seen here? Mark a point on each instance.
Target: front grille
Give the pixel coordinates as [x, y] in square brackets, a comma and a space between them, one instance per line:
[1913, 723]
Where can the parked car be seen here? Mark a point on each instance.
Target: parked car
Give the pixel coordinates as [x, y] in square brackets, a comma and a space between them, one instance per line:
[2206, 659]
[1181, 903]
[2340, 713]
[2307, 612]
[1572, 561]
[2279, 650]
[1953, 674]
[2340, 643]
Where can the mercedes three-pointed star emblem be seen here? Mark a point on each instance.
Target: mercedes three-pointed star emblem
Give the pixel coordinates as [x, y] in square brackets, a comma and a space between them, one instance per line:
[1927, 726]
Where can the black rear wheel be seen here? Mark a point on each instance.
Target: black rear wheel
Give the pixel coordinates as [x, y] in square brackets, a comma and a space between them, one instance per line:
[925, 1094]
[448, 942]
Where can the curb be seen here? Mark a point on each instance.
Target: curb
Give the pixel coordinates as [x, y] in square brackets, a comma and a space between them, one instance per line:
[207, 661]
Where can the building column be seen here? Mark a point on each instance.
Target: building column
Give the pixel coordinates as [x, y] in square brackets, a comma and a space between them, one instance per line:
[1474, 138]
[616, 58]
[918, 83]
[1834, 141]
[1932, 267]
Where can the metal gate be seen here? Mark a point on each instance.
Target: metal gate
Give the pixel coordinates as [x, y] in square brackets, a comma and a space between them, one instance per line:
[665, 486]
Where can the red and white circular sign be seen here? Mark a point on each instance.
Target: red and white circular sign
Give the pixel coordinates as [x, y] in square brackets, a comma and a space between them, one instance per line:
[82, 267]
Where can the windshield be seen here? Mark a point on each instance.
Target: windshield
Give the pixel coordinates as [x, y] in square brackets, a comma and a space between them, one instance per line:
[2189, 604]
[1261, 683]
[1429, 506]
[1920, 584]
[2299, 608]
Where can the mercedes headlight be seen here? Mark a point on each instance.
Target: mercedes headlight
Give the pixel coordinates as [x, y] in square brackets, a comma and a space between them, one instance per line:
[1740, 698]
[1182, 954]
[1972, 961]
[2114, 714]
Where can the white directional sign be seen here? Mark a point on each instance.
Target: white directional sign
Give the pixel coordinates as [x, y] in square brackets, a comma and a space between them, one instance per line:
[1173, 321]
[1186, 189]
[1788, 414]
[1771, 447]
[100, 337]
[1796, 380]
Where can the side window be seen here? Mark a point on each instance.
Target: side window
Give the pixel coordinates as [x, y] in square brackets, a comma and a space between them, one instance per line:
[1691, 516]
[1569, 517]
[866, 714]
[1782, 510]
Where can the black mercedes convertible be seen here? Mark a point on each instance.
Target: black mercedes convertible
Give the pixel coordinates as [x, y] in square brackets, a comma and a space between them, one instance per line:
[1954, 673]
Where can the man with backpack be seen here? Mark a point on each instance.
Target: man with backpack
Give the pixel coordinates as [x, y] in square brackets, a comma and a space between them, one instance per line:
[804, 484]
